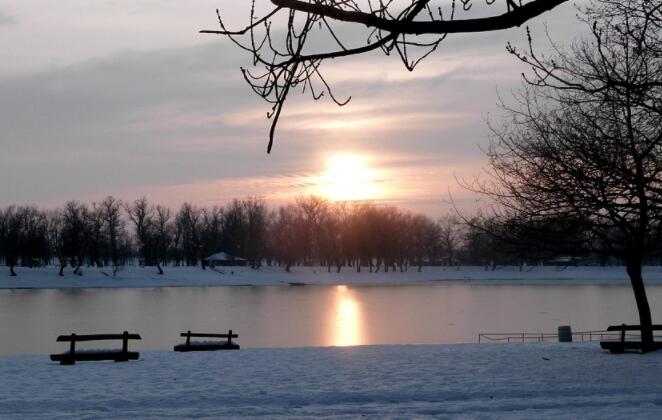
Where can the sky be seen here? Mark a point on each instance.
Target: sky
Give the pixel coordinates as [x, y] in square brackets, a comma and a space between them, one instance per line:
[126, 98]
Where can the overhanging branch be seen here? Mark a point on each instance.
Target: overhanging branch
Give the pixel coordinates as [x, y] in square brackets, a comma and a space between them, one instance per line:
[513, 18]
[413, 31]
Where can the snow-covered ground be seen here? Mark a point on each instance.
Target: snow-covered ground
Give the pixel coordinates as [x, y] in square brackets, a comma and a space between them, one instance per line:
[524, 381]
[269, 276]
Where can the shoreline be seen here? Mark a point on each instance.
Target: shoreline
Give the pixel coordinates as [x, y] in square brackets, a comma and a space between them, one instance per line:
[147, 277]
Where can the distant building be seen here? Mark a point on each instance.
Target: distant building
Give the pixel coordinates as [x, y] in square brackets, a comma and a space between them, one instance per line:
[223, 259]
[563, 261]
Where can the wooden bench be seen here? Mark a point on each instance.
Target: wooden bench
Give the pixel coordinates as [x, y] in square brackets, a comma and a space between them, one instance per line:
[620, 345]
[207, 345]
[117, 355]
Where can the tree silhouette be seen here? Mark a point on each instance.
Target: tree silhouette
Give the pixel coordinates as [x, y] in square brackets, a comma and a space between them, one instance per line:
[583, 147]
[411, 29]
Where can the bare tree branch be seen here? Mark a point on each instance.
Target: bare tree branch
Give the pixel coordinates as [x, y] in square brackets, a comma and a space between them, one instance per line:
[411, 28]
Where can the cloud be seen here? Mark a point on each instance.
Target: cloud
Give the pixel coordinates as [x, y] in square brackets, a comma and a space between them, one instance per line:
[180, 124]
[6, 19]
[151, 121]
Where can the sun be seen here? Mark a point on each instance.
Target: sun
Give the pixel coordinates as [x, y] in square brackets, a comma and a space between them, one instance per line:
[348, 178]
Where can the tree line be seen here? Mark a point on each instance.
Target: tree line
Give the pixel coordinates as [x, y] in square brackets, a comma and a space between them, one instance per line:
[310, 231]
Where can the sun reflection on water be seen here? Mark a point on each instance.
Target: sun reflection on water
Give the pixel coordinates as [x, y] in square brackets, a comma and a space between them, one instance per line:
[346, 320]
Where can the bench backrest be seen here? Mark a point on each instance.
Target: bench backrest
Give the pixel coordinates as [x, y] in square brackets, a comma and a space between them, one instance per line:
[190, 334]
[95, 337]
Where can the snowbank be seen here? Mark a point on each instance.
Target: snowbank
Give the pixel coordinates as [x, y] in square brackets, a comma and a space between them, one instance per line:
[271, 276]
[495, 381]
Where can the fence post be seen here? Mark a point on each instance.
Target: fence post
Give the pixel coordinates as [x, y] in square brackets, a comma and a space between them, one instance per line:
[72, 345]
[188, 338]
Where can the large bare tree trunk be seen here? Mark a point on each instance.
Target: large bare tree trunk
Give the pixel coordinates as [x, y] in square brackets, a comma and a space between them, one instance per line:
[645, 319]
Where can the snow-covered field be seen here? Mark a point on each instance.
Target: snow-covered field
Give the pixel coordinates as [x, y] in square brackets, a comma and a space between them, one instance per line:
[525, 381]
[270, 276]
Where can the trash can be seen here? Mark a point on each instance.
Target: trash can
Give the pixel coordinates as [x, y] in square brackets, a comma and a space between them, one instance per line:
[565, 334]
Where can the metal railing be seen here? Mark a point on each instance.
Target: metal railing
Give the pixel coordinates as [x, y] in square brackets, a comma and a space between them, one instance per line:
[600, 335]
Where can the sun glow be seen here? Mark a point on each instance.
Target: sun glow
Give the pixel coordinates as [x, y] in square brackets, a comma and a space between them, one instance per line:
[348, 178]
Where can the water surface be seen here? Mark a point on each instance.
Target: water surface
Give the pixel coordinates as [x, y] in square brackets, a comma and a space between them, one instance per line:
[30, 320]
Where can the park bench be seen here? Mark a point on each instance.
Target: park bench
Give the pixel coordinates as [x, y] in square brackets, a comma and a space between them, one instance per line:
[207, 345]
[620, 345]
[117, 355]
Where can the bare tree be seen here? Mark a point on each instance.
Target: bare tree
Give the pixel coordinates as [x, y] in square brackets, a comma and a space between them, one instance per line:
[211, 228]
[584, 145]
[332, 236]
[188, 228]
[312, 212]
[285, 235]
[96, 240]
[140, 213]
[35, 250]
[255, 210]
[162, 236]
[234, 229]
[75, 233]
[114, 228]
[56, 238]
[412, 29]
[12, 236]
[420, 227]
[450, 236]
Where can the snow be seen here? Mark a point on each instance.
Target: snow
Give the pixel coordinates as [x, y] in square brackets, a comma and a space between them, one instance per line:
[515, 381]
[46, 277]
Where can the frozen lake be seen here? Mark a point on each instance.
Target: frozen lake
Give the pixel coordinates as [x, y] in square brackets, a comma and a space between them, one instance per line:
[294, 316]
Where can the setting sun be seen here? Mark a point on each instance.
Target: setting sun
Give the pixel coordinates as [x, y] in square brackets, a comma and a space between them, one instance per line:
[347, 178]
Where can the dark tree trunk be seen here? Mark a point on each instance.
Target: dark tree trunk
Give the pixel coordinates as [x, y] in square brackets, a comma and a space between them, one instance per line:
[78, 265]
[645, 319]
[158, 265]
[62, 265]
[12, 273]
